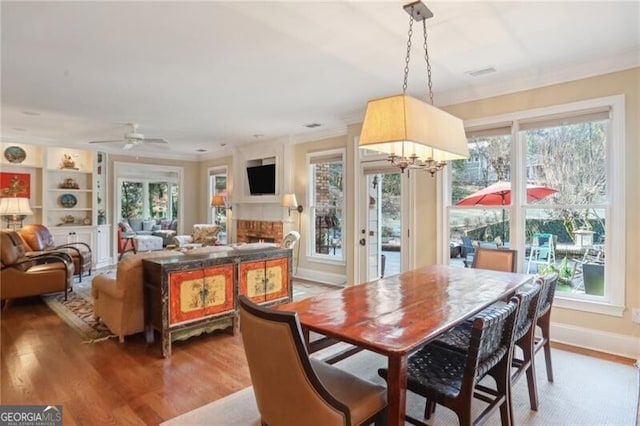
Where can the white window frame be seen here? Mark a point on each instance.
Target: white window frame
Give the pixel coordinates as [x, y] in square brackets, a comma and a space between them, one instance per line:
[613, 302]
[214, 172]
[311, 255]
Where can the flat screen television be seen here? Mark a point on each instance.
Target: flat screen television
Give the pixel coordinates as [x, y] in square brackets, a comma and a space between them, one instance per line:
[262, 179]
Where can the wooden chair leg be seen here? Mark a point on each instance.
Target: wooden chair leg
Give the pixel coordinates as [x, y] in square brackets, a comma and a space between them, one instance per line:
[543, 323]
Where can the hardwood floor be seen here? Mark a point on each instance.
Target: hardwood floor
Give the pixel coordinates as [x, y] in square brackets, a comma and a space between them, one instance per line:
[43, 361]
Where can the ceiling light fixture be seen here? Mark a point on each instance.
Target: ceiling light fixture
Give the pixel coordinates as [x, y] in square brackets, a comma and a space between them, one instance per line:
[414, 134]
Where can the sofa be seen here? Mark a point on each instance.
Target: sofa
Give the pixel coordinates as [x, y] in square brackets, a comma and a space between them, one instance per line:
[119, 302]
[163, 228]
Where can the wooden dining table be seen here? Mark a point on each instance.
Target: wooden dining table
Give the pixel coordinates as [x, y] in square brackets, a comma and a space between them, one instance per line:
[396, 315]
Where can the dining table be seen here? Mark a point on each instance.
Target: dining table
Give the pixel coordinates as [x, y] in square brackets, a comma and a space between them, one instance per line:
[396, 315]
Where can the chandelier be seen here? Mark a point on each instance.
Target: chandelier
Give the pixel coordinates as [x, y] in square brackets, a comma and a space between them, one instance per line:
[413, 133]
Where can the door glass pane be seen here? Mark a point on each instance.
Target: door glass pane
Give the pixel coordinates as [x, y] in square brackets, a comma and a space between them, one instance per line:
[391, 225]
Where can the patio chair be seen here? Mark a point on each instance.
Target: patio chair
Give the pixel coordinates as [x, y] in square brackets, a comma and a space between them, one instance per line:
[542, 250]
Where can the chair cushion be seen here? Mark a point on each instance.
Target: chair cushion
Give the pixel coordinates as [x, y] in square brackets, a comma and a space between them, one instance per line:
[363, 398]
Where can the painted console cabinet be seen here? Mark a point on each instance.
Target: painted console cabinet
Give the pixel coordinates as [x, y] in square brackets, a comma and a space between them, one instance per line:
[189, 295]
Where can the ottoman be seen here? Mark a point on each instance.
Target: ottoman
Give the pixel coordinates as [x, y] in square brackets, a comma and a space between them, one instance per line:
[147, 243]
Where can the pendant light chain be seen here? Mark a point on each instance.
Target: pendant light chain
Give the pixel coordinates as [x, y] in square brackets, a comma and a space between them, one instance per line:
[406, 60]
[426, 57]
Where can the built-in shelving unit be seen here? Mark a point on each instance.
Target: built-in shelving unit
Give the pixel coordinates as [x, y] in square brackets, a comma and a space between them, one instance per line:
[66, 188]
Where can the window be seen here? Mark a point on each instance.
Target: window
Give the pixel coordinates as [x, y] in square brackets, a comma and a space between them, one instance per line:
[218, 186]
[148, 199]
[326, 174]
[548, 183]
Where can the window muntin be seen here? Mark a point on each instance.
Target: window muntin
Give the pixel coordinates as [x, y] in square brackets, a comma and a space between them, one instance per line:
[326, 172]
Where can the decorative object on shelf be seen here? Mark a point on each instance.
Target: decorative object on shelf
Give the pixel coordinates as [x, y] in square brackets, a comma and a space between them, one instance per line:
[15, 154]
[68, 220]
[68, 200]
[69, 184]
[15, 185]
[86, 221]
[102, 217]
[15, 209]
[415, 134]
[68, 162]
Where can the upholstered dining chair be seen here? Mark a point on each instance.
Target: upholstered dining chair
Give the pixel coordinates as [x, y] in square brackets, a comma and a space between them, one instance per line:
[495, 259]
[23, 276]
[450, 377]
[292, 389]
[38, 239]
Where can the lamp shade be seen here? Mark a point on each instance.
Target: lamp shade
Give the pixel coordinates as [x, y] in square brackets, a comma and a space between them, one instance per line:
[403, 126]
[217, 201]
[290, 201]
[17, 206]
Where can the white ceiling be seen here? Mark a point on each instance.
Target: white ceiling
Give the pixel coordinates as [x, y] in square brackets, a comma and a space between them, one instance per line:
[211, 75]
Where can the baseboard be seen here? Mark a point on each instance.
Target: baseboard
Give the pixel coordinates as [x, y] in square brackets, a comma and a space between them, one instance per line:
[602, 341]
[320, 277]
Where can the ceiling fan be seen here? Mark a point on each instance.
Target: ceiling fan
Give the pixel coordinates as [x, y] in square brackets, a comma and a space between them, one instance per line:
[134, 138]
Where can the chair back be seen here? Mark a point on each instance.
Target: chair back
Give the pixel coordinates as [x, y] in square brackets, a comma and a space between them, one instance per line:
[547, 293]
[12, 248]
[290, 240]
[492, 339]
[495, 259]
[528, 311]
[285, 385]
[545, 245]
[37, 237]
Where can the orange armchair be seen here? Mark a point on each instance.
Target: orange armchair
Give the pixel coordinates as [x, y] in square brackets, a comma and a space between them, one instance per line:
[38, 239]
[23, 276]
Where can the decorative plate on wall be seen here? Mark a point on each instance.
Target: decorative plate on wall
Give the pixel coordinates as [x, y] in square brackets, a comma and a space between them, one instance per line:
[15, 154]
[68, 200]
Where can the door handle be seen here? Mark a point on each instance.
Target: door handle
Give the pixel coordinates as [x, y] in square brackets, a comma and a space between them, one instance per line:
[363, 241]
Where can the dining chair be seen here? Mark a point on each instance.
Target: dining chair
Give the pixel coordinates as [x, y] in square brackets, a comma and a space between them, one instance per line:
[292, 389]
[524, 337]
[495, 259]
[451, 377]
[543, 320]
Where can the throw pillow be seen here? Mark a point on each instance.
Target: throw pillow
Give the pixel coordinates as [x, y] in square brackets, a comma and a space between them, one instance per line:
[205, 234]
[165, 224]
[125, 227]
[147, 225]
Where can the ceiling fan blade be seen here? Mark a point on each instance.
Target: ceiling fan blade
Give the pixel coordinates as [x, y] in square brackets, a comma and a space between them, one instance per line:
[129, 145]
[113, 141]
[150, 140]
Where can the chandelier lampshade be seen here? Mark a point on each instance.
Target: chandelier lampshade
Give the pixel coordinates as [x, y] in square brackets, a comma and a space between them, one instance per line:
[413, 133]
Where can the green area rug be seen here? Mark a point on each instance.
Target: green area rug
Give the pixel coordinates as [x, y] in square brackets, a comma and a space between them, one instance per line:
[77, 312]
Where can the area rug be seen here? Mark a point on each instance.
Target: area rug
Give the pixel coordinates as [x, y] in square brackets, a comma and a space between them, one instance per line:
[586, 391]
[77, 312]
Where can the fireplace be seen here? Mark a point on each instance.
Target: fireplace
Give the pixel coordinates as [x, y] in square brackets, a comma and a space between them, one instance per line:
[251, 231]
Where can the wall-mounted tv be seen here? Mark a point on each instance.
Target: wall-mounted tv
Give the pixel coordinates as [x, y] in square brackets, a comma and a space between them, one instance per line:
[262, 179]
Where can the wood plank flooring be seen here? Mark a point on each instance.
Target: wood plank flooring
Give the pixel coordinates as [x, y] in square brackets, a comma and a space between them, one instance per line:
[43, 361]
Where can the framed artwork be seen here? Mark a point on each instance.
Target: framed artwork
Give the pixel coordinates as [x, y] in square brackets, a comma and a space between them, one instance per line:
[15, 184]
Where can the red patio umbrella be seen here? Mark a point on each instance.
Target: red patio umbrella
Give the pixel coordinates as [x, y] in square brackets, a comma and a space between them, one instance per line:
[499, 194]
